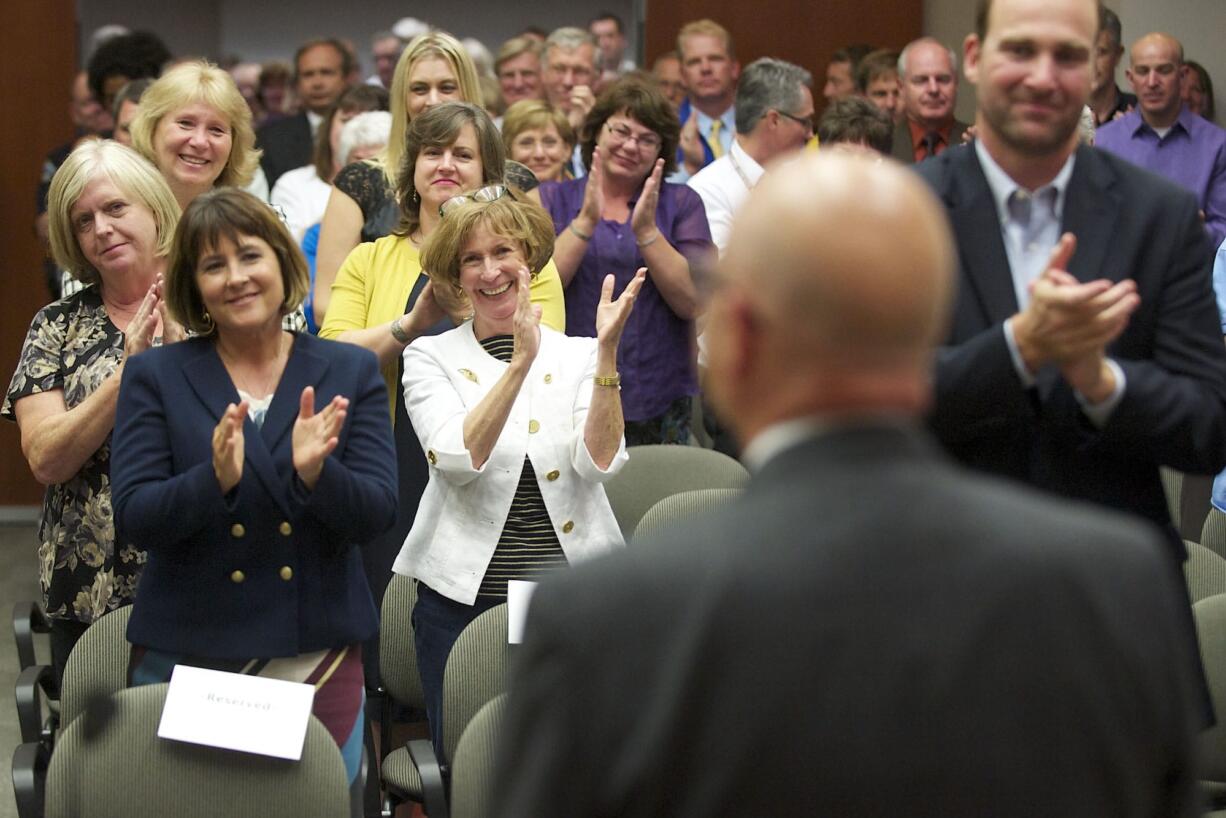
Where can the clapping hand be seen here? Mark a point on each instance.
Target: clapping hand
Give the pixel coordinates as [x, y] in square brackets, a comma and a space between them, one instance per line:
[611, 315]
[592, 209]
[142, 329]
[316, 434]
[228, 446]
[527, 321]
[643, 219]
[692, 152]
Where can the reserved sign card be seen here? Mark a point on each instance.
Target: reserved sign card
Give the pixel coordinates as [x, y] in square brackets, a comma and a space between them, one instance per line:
[235, 712]
[519, 595]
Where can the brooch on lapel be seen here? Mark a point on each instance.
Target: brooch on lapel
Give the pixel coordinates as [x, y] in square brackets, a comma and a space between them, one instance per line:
[472, 376]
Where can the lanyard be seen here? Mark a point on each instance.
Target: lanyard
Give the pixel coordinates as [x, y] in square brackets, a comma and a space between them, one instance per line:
[739, 170]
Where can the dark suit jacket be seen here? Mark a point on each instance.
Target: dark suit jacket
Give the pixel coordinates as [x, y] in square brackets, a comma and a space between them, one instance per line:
[286, 143]
[1129, 224]
[904, 151]
[270, 569]
[868, 632]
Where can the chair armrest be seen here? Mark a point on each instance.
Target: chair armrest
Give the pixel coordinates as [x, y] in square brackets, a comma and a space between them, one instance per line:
[30, 779]
[33, 686]
[433, 788]
[29, 618]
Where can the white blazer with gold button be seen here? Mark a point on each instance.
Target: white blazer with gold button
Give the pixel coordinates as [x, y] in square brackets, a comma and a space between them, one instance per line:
[463, 509]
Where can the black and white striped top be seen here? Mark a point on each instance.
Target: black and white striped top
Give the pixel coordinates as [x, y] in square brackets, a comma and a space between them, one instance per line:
[529, 547]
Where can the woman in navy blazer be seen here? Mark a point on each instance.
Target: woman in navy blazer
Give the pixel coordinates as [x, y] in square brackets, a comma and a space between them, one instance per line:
[251, 463]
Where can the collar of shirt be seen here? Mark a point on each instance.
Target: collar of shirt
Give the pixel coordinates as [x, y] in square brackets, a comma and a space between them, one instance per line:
[919, 131]
[1184, 124]
[779, 437]
[315, 120]
[748, 165]
[1028, 243]
[727, 125]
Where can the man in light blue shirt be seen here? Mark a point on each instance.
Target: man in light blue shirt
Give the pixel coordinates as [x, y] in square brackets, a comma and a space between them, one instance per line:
[708, 115]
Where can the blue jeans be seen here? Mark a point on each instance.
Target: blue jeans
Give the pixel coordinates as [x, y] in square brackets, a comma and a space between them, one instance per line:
[437, 623]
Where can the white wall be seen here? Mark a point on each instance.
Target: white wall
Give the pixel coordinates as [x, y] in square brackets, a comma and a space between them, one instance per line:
[1198, 24]
[271, 29]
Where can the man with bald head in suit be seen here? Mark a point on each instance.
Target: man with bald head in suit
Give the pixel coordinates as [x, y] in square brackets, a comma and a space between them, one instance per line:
[858, 635]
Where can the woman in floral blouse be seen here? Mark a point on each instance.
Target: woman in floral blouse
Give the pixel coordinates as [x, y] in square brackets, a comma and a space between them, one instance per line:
[112, 219]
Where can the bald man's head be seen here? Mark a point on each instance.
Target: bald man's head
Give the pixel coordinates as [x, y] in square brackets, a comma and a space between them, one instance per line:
[1156, 72]
[839, 272]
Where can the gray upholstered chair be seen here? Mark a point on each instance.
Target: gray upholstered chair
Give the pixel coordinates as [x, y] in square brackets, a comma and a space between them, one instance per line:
[1204, 571]
[476, 672]
[1172, 487]
[111, 762]
[472, 770]
[397, 658]
[98, 665]
[1210, 614]
[677, 507]
[658, 471]
[1213, 533]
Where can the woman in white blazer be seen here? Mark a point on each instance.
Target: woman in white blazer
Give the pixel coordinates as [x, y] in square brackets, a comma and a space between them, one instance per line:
[520, 424]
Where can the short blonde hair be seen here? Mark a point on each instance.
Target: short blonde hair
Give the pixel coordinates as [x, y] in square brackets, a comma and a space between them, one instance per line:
[528, 114]
[523, 222]
[440, 45]
[705, 27]
[200, 81]
[515, 46]
[134, 175]
[229, 213]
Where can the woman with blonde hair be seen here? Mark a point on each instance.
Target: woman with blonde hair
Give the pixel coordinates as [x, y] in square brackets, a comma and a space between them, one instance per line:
[434, 68]
[112, 219]
[539, 136]
[195, 126]
[521, 425]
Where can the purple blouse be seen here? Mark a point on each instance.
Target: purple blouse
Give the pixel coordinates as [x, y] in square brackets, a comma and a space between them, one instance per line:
[657, 357]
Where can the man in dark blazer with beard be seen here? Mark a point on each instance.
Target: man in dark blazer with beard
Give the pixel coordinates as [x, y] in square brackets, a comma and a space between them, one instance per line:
[870, 630]
[1085, 349]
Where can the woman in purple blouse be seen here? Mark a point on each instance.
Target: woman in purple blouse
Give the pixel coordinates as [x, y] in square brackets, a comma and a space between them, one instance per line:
[623, 216]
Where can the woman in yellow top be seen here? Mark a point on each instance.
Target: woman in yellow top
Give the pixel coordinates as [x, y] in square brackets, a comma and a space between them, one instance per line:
[382, 300]
[433, 69]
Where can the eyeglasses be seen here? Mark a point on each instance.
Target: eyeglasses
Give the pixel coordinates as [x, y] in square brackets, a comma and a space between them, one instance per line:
[803, 120]
[489, 193]
[621, 135]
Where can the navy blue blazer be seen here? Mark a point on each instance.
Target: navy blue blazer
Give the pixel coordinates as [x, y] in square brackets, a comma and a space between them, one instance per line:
[1129, 224]
[270, 569]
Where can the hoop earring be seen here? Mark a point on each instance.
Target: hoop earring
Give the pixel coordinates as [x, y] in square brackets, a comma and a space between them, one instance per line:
[208, 323]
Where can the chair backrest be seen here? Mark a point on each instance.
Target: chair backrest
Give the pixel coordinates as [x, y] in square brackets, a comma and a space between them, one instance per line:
[675, 508]
[1172, 487]
[1204, 571]
[111, 762]
[472, 770]
[98, 664]
[1213, 534]
[476, 672]
[1210, 615]
[659, 471]
[397, 651]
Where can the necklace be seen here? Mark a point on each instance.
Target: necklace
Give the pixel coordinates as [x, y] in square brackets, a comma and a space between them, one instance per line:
[258, 384]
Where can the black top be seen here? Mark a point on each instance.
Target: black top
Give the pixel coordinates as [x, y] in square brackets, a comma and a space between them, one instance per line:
[365, 183]
[528, 547]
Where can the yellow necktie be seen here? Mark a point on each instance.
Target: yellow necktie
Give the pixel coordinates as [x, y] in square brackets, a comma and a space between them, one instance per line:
[717, 150]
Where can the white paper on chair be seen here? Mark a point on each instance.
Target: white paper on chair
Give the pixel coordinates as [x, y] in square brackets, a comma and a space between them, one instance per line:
[236, 712]
[519, 594]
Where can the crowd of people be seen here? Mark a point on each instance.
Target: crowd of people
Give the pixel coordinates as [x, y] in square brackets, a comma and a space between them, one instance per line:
[310, 330]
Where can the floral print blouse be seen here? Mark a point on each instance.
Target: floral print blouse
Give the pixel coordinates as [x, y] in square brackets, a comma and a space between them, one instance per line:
[73, 346]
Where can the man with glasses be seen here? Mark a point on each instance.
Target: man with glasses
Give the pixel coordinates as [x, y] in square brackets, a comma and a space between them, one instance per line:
[774, 115]
[568, 74]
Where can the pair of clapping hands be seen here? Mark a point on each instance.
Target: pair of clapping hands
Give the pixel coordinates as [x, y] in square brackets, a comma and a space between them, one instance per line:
[1069, 323]
[151, 324]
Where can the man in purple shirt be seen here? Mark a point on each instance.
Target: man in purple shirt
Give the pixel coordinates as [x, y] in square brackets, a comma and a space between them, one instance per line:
[1164, 137]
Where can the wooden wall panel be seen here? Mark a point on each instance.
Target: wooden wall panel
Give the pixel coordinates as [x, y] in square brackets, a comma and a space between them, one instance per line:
[800, 31]
[37, 61]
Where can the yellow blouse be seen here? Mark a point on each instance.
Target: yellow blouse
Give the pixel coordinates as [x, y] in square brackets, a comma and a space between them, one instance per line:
[374, 283]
